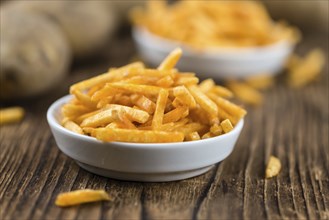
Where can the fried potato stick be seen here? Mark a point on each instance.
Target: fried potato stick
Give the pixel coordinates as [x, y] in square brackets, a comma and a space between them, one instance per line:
[11, 115]
[159, 109]
[81, 196]
[170, 61]
[137, 136]
[205, 103]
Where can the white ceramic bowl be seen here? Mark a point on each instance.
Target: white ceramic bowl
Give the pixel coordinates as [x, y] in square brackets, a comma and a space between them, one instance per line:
[218, 64]
[141, 162]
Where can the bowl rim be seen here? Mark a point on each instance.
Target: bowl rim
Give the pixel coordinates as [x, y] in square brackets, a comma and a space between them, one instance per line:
[54, 124]
[165, 44]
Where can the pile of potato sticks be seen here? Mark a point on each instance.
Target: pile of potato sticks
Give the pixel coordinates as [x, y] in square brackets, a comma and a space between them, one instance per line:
[211, 24]
[140, 105]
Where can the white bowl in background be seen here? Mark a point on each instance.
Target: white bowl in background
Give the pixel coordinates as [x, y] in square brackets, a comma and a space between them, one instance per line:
[140, 162]
[225, 63]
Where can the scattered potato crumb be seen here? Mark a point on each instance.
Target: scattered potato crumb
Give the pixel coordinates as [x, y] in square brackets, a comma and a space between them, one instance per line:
[302, 71]
[273, 167]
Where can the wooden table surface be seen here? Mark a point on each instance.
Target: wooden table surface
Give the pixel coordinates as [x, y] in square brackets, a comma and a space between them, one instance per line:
[291, 124]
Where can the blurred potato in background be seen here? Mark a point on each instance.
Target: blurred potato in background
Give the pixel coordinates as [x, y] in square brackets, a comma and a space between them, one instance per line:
[34, 54]
[39, 39]
[88, 25]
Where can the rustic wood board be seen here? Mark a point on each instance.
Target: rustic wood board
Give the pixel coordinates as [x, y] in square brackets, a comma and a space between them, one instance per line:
[291, 124]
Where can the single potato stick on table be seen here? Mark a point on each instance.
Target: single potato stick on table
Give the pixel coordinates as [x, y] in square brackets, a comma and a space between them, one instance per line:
[11, 115]
[81, 196]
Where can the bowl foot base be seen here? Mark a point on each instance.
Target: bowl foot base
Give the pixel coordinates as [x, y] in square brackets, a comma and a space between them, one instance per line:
[145, 177]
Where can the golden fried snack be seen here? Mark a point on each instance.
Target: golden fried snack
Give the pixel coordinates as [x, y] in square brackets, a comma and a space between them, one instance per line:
[261, 81]
[203, 100]
[135, 136]
[273, 167]
[72, 126]
[184, 96]
[245, 93]
[216, 129]
[226, 125]
[11, 115]
[302, 71]
[81, 196]
[140, 105]
[193, 136]
[170, 62]
[213, 24]
[159, 109]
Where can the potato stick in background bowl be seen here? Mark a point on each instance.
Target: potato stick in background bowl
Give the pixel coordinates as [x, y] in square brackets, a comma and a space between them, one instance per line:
[213, 24]
[137, 104]
[225, 40]
[221, 39]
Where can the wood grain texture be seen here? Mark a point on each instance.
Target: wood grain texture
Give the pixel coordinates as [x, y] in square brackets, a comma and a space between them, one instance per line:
[291, 124]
